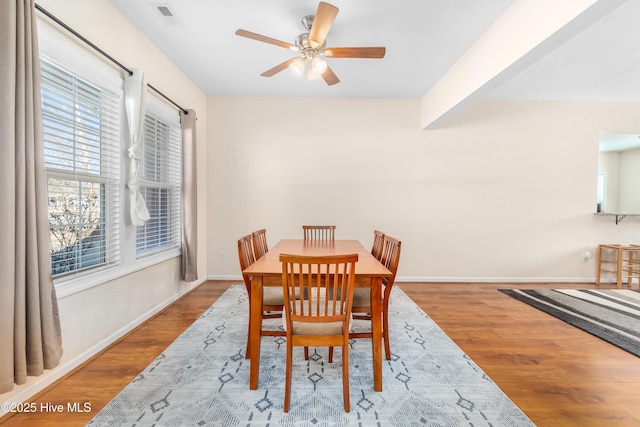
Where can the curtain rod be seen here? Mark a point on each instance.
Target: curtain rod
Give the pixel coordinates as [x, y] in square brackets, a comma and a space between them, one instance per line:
[102, 52]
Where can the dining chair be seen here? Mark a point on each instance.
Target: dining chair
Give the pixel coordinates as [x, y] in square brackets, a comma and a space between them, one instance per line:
[390, 258]
[272, 298]
[246, 257]
[319, 232]
[317, 308]
[378, 239]
[260, 243]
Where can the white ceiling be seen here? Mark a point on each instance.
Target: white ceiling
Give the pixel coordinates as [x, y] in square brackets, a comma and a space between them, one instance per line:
[423, 39]
[618, 141]
[600, 63]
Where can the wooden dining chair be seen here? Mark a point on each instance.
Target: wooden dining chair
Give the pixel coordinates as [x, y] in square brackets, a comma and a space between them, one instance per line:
[378, 239]
[390, 258]
[317, 308]
[246, 257]
[319, 232]
[260, 243]
[272, 298]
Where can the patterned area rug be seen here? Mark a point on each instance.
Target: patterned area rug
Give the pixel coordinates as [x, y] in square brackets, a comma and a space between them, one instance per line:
[202, 379]
[613, 315]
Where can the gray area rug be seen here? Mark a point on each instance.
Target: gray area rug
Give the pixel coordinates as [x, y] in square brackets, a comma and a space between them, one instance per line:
[612, 314]
[202, 379]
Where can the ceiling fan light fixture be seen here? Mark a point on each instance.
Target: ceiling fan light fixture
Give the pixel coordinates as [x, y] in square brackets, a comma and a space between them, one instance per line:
[299, 67]
[312, 75]
[318, 65]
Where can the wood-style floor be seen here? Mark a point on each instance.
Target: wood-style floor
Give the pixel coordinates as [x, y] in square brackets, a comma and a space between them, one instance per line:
[557, 374]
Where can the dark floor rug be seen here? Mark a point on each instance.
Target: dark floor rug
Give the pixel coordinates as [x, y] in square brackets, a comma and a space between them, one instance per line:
[202, 379]
[613, 314]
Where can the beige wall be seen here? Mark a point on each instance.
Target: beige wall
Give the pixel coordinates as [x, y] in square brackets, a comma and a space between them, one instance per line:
[506, 190]
[93, 318]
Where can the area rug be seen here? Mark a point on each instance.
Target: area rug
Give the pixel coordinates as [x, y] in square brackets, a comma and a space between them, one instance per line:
[202, 379]
[613, 314]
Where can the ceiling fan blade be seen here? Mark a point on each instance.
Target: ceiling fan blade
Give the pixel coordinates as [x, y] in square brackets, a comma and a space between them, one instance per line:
[330, 77]
[265, 39]
[355, 52]
[275, 70]
[325, 15]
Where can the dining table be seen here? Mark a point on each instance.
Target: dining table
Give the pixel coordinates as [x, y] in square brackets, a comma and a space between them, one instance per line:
[267, 271]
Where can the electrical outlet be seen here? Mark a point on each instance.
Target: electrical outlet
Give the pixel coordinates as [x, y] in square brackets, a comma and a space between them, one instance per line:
[587, 256]
[223, 255]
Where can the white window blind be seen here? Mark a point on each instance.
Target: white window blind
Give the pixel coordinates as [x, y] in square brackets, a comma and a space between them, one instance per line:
[82, 143]
[160, 179]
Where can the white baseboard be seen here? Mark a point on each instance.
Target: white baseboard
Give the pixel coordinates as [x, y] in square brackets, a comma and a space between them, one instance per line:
[459, 279]
[224, 277]
[35, 385]
[497, 279]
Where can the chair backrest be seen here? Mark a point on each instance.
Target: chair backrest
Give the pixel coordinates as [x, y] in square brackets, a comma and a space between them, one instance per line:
[246, 257]
[378, 240]
[260, 243]
[312, 295]
[390, 257]
[319, 232]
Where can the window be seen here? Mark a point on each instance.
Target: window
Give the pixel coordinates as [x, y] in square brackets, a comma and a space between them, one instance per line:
[160, 186]
[86, 157]
[82, 143]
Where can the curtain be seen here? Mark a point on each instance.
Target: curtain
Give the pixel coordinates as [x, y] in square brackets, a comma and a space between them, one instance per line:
[189, 197]
[30, 335]
[135, 88]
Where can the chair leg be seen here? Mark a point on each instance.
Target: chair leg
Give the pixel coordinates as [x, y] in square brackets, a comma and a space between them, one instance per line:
[599, 265]
[385, 328]
[287, 381]
[306, 353]
[330, 354]
[619, 268]
[345, 374]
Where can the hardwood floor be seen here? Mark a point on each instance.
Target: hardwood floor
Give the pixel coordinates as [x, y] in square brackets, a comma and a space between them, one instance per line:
[557, 374]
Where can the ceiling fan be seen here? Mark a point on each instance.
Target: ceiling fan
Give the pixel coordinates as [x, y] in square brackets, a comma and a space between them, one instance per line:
[312, 47]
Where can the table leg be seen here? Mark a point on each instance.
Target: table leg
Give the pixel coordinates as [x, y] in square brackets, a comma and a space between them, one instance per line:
[255, 326]
[376, 331]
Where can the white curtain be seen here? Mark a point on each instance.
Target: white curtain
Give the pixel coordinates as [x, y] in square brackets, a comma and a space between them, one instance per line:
[135, 89]
[30, 335]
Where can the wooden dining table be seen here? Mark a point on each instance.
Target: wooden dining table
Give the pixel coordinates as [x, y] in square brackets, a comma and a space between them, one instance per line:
[267, 271]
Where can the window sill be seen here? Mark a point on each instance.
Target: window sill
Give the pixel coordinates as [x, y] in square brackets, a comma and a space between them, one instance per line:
[68, 286]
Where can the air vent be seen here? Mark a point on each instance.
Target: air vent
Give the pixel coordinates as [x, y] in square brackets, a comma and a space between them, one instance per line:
[164, 11]
[167, 15]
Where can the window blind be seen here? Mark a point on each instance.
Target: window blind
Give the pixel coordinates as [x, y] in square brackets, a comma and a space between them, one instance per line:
[81, 141]
[160, 177]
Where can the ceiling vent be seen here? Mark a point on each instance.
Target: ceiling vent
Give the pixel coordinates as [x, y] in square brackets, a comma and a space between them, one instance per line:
[164, 11]
[167, 14]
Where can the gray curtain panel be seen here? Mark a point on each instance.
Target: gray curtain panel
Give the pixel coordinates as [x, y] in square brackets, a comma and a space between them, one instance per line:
[189, 197]
[30, 338]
